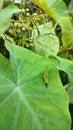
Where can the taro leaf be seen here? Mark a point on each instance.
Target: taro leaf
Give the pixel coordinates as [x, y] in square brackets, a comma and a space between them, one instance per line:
[69, 90]
[26, 103]
[45, 28]
[5, 15]
[66, 66]
[46, 44]
[67, 32]
[55, 8]
[1, 4]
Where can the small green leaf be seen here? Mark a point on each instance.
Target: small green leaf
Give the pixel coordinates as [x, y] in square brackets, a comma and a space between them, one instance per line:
[46, 44]
[5, 15]
[45, 28]
[25, 102]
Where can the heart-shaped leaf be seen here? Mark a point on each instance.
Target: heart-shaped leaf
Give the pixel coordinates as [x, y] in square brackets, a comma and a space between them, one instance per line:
[31, 94]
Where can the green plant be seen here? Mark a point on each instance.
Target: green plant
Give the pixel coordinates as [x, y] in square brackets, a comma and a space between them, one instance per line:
[32, 95]
[25, 102]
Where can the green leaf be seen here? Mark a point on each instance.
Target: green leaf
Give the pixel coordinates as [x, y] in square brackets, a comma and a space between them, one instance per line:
[5, 16]
[56, 8]
[26, 103]
[66, 66]
[46, 44]
[69, 90]
[67, 32]
[1, 4]
[59, 12]
[45, 28]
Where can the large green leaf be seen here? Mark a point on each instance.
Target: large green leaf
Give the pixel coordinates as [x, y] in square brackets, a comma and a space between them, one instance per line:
[5, 15]
[66, 66]
[26, 101]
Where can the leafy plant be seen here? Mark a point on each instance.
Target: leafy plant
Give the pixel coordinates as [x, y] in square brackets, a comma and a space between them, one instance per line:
[32, 95]
[58, 11]
[25, 102]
